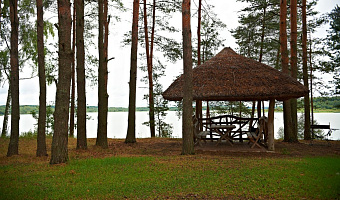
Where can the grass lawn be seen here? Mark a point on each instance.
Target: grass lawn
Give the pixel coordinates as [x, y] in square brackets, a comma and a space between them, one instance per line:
[103, 174]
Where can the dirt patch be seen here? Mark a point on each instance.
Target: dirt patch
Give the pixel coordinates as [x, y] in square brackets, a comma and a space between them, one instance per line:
[167, 147]
[173, 147]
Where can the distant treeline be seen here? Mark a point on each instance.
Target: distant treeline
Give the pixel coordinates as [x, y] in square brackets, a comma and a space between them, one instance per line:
[326, 103]
[27, 109]
[320, 104]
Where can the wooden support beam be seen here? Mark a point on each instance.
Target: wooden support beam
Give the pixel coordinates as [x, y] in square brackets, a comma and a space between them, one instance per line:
[259, 109]
[199, 113]
[271, 125]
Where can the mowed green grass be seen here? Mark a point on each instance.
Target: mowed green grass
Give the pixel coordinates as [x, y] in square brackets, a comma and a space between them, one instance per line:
[174, 177]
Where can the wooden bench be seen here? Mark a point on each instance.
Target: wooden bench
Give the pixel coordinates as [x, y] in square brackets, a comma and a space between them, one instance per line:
[254, 138]
[257, 135]
[199, 135]
[322, 137]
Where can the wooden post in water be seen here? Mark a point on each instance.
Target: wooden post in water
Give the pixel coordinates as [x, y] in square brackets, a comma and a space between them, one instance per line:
[271, 125]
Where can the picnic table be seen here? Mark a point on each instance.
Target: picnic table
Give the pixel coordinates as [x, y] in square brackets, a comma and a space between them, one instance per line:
[241, 126]
[224, 132]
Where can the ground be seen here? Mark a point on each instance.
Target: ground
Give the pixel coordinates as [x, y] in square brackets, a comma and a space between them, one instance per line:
[169, 147]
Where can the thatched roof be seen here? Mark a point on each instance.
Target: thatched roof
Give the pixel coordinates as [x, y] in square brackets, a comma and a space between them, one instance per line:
[231, 77]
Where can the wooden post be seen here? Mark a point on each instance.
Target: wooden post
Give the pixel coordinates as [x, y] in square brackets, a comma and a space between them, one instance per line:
[207, 111]
[199, 113]
[259, 109]
[241, 140]
[271, 125]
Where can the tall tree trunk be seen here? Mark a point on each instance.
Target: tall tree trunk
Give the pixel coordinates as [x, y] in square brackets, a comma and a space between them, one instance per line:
[262, 33]
[149, 63]
[41, 138]
[199, 32]
[261, 54]
[307, 134]
[311, 81]
[102, 79]
[5, 121]
[277, 61]
[131, 132]
[0, 15]
[59, 151]
[293, 64]
[187, 129]
[81, 84]
[150, 71]
[287, 120]
[73, 75]
[13, 147]
[198, 102]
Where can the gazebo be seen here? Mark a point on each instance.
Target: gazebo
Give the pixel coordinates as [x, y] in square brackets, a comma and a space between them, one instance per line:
[229, 76]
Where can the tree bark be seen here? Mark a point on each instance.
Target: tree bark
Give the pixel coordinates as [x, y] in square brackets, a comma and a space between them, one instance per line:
[293, 64]
[152, 119]
[307, 134]
[5, 121]
[149, 63]
[81, 84]
[198, 102]
[73, 78]
[311, 81]
[59, 151]
[199, 33]
[41, 138]
[287, 120]
[271, 146]
[13, 147]
[277, 61]
[262, 34]
[102, 78]
[187, 129]
[131, 132]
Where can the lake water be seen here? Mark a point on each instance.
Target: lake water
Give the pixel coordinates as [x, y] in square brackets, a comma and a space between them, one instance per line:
[117, 124]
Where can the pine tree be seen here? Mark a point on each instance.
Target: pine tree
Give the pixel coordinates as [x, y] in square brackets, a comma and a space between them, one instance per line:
[81, 81]
[73, 75]
[293, 65]
[41, 138]
[187, 129]
[13, 147]
[131, 132]
[59, 150]
[333, 48]
[307, 134]
[102, 75]
[149, 58]
[285, 68]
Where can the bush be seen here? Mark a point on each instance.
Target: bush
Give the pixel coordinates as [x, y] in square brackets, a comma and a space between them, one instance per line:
[29, 134]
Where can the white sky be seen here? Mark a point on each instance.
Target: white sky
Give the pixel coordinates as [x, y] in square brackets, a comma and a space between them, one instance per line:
[119, 68]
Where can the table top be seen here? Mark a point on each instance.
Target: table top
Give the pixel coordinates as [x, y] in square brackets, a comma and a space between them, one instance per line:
[222, 126]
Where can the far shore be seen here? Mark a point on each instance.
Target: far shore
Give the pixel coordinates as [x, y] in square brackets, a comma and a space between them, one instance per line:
[28, 109]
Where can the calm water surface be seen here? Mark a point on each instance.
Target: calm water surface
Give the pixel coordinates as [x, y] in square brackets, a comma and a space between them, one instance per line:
[117, 124]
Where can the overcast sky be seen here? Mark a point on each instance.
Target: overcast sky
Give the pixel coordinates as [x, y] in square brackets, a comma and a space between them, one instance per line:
[119, 68]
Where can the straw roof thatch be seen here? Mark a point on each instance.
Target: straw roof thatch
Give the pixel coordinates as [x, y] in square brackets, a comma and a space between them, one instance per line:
[231, 77]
